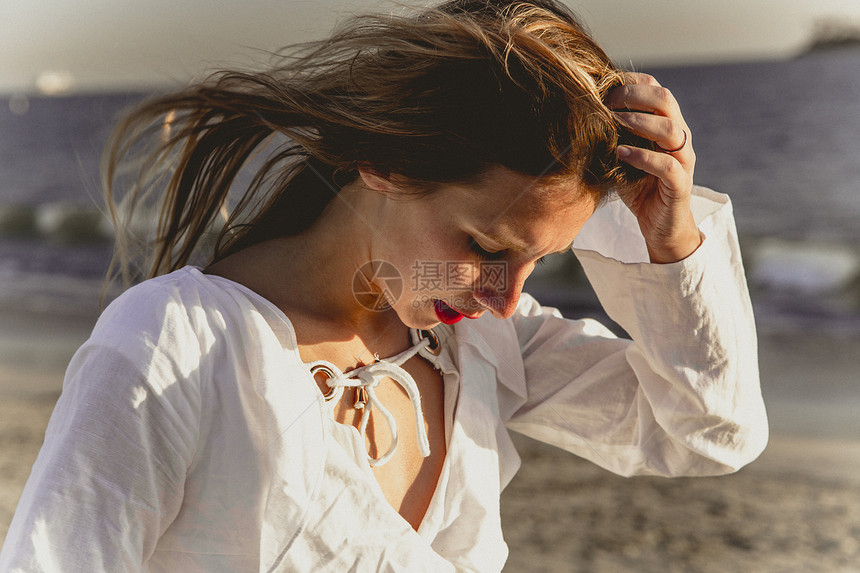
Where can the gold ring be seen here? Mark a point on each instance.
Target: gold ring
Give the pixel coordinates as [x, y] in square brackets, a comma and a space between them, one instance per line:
[679, 148]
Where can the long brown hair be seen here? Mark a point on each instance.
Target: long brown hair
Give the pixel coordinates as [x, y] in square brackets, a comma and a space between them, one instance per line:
[437, 96]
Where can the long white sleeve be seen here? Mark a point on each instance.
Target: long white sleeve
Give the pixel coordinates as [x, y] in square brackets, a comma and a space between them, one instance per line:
[109, 479]
[683, 397]
[191, 437]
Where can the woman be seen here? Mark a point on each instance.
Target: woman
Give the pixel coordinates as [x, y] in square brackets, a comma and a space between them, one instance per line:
[307, 398]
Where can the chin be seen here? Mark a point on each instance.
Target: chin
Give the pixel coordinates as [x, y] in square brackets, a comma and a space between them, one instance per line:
[416, 315]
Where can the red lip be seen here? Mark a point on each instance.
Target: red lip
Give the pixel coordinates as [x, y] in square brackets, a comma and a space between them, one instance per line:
[448, 315]
[445, 313]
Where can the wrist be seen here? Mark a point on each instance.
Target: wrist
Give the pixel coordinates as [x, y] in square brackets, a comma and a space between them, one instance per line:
[679, 248]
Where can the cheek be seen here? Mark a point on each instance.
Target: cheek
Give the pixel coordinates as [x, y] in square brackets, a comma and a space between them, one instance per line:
[423, 265]
[424, 249]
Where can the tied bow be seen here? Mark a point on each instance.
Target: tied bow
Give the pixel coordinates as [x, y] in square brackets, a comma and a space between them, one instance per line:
[366, 379]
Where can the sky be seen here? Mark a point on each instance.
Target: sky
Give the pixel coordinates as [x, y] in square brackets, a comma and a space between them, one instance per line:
[94, 45]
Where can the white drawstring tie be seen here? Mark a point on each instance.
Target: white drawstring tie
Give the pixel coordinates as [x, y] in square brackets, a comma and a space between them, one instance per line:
[367, 378]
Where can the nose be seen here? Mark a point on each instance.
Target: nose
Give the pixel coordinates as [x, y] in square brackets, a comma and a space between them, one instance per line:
[500, 294]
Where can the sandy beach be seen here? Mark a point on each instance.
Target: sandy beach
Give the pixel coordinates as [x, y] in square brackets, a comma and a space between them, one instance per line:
[797, 508]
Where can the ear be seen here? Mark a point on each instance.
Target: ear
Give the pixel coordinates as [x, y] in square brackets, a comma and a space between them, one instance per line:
[376, 181]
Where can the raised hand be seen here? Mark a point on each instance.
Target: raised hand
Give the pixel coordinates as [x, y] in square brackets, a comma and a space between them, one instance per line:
[661, 202]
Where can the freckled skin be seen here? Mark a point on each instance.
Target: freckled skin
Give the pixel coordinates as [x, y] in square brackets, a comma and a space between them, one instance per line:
[310, 276]
[376, 222]
[536, 218]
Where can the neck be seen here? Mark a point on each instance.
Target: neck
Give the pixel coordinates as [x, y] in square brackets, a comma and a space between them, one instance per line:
[310, 276]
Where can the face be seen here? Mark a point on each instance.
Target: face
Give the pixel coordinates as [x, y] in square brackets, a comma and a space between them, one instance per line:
[466, 250]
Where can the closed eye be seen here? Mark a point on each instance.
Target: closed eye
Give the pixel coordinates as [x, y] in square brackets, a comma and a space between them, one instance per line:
[483, 253]
[486, 255]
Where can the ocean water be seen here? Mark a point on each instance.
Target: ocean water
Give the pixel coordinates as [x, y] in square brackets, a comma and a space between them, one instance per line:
[782, 138]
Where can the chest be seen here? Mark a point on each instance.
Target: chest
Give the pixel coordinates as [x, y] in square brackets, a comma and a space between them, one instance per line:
[407, 479]
[306, 496]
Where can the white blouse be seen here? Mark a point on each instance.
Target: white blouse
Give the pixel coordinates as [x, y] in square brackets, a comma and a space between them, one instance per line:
[191, 437]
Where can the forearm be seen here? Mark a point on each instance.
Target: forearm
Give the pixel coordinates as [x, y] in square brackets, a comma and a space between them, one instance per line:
[694, 351]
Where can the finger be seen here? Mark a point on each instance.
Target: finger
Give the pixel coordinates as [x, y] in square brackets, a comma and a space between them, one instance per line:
[672, 136]
[640, 78]
[677, 181]
[651, 99]
[618, 96]
[682, 148]
[630, 78]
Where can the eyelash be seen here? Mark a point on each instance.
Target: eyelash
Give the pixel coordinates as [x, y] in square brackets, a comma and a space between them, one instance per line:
[483, 253]
[486, 255]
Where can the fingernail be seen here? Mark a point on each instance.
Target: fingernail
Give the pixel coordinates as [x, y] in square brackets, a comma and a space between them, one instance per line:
[623, 151]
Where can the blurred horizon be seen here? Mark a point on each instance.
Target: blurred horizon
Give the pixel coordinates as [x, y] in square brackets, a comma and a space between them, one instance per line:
[54, 47]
